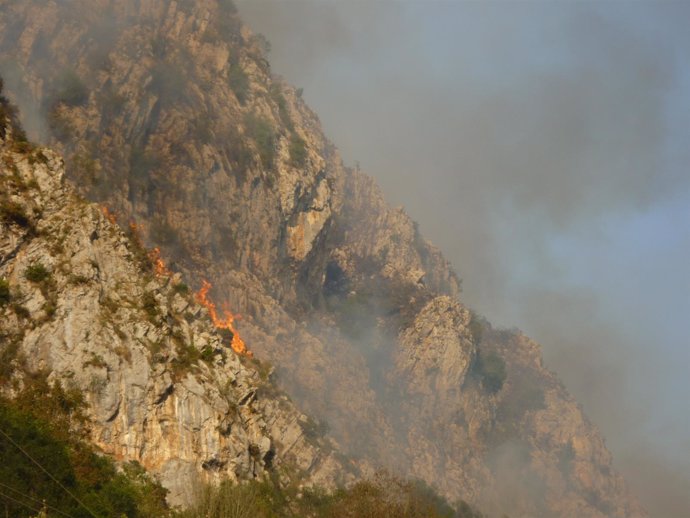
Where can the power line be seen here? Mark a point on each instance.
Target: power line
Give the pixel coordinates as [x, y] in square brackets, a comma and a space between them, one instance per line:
[35, 500]
[48, 473]
[20, 503]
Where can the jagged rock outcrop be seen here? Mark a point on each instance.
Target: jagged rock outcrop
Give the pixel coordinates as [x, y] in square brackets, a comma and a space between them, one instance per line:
[167, 112]
[161, 386]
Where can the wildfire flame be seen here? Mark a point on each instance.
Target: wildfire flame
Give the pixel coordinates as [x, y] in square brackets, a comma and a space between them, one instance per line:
[158, 264]
[227, 322]
[110, 216]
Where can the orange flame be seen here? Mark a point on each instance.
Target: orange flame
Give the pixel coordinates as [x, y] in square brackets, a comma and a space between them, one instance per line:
[158, 264]
[227, 322]
[110, 216]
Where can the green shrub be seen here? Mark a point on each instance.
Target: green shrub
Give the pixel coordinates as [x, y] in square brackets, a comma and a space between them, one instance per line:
[8, 113]
[239, 82]
[9, 352]
[279, 99]
[387, 496]
[71, 90]
[21, 311]
[79, 279]
[164, 234]
[84, 168]
[40, 420]
[60, 126]
[229, 500]
[261, 131]
[37, 272]
[181, 288]
[298, 151]
[491, 370]
[187, 357]
[476, 327]
[383, 496]
[112, 102]
[149, 304]
[168, 79]
[12, 212]
[5, 295]
[313, 428]
[207, 354]
[142, 162]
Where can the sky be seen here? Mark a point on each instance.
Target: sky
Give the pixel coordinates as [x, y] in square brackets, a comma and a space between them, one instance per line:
[543, 146]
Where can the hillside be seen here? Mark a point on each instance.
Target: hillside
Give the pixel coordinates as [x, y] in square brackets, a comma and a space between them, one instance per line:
[82, 304]
[168, 114]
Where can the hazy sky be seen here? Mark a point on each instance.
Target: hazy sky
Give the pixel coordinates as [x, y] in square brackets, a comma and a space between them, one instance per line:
[544, 146]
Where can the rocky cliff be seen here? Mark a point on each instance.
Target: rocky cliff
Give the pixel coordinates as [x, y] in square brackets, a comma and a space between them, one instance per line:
[168, 113]
[81, 302]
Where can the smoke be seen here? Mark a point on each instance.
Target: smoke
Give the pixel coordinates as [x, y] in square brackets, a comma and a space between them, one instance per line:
[543, 147]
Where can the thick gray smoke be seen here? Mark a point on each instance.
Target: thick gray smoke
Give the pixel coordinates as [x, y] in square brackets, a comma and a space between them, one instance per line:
[543, 146]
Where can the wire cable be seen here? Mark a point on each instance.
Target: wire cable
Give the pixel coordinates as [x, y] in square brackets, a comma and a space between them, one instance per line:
[20, 503]
[47, 473]
[43, 504]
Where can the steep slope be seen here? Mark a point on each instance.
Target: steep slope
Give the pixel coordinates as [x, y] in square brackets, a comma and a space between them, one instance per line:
[81, 303]
[167, 112]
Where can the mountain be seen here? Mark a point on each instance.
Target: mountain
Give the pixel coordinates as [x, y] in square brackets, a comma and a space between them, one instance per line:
[82, 303]
[168, 114]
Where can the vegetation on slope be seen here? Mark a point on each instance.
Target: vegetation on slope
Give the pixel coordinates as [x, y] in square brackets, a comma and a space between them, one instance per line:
[383, 496]
[47, 465]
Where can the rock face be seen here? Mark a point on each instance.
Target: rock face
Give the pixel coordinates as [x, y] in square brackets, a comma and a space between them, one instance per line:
[161, 386]
[167, 113]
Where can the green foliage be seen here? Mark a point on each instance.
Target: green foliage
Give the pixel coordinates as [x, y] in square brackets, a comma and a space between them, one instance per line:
[84, 167]
[21, 311]
[78, 280]
[112, 102]
[263, 134]
[9, 352]
[169, 80]
[139, 251]
[41, 420]
[37, 272]
[150, 305]
[181, 288]
[162, 233]
[526, 394]
[298, 151]
[491, 370]
[228, 26]
[279, 99]
[9, 116]
[239, 82]
[142, 162]
[228, 500]
[314, 429]
[260, 41]
[387, 496]
[187, 357]
[476, 327]
[207, 354]
[12, 212]
[71, 90]
[383, 496]
[5, 295]
[60, 126]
